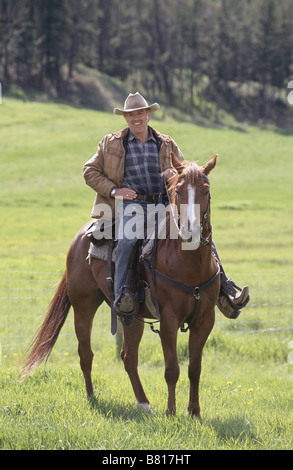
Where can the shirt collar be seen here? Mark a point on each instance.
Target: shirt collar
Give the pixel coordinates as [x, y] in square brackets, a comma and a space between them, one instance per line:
[151, 136]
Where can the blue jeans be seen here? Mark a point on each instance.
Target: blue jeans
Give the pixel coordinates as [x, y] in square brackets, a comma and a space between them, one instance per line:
[127, 240]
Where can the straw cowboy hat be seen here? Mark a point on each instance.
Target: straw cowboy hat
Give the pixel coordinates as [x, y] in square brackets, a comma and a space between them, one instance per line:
[134, 102]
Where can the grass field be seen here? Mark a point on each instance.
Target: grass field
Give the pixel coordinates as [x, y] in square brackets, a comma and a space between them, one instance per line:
[247, 383]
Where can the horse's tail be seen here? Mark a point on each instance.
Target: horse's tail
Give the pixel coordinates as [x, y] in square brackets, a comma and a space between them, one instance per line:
[49, 330]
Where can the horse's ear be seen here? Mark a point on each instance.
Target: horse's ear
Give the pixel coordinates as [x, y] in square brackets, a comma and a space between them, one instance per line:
[179, 166]
[209, 165]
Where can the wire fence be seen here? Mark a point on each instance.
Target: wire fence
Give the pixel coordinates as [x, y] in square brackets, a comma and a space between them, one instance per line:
[25, 295]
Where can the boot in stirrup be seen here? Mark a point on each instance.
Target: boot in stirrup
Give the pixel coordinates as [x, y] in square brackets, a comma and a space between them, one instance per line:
[232, 298]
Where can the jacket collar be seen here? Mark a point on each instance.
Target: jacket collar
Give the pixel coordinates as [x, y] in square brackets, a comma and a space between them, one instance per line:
[123, 133]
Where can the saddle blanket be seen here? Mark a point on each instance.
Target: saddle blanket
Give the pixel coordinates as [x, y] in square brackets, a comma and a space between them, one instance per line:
[101, 251]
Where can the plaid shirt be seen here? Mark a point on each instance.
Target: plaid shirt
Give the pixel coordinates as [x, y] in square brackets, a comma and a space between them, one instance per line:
[142, 168]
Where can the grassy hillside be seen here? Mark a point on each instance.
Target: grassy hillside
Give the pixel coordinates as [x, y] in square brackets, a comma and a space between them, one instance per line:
[246, 387]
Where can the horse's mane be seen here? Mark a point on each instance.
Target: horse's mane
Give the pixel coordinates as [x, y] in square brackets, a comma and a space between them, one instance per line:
[191, 172]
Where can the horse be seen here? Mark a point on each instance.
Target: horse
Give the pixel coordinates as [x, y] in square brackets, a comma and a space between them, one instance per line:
[193, 275]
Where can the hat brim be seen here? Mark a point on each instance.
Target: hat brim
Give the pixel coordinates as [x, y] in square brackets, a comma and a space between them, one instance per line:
[153, 107]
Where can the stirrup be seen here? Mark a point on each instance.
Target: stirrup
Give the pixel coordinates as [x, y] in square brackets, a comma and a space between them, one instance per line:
[230, 301]
[124, 303]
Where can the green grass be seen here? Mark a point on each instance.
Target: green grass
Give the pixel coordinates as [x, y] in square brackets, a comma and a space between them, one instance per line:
[246, 387]
[243, 410]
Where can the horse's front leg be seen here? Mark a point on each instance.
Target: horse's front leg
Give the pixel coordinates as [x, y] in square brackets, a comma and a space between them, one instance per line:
[129, 355]
[197, 338]
[168, 333]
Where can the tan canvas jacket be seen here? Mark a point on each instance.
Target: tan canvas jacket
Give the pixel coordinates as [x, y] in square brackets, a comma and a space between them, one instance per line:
[105, 170]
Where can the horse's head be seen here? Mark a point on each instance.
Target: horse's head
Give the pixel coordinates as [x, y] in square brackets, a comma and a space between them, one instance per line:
[191, 194]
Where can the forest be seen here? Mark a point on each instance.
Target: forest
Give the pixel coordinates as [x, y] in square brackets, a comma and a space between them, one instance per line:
[236, 53]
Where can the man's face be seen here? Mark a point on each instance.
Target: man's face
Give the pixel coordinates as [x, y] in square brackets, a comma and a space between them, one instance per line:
[138, 121]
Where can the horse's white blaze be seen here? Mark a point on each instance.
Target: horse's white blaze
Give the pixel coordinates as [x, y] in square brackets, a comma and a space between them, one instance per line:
[191, 230]
[190, 210]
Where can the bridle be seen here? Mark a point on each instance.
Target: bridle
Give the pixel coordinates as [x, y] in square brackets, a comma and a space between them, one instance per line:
[205, 240]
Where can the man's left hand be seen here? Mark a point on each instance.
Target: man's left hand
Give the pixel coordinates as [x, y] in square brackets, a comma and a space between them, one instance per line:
[168, 174]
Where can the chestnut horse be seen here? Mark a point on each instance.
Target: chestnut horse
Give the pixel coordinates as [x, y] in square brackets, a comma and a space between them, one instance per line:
[193, 275]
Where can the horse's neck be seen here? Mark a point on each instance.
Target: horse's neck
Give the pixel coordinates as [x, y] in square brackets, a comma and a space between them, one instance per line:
[197, 263]
[192, 266]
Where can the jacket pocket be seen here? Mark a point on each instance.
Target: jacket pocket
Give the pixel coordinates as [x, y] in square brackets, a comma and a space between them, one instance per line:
[114, 168]
[112, 162]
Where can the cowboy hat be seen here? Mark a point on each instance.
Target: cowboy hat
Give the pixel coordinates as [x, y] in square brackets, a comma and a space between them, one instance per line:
[134, 102]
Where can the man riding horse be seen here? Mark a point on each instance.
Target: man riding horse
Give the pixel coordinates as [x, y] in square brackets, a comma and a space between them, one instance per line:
[130, 165]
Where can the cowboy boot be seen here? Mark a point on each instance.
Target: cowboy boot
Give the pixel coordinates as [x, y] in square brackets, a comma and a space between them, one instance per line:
[125, 301]
[232, 298]
[230, 302]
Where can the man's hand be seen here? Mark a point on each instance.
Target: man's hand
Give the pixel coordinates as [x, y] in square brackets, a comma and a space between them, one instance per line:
[129, 194]
[126, 193]
[168, 174]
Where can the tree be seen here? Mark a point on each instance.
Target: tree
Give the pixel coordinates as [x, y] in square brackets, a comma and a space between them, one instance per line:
[179, 52]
